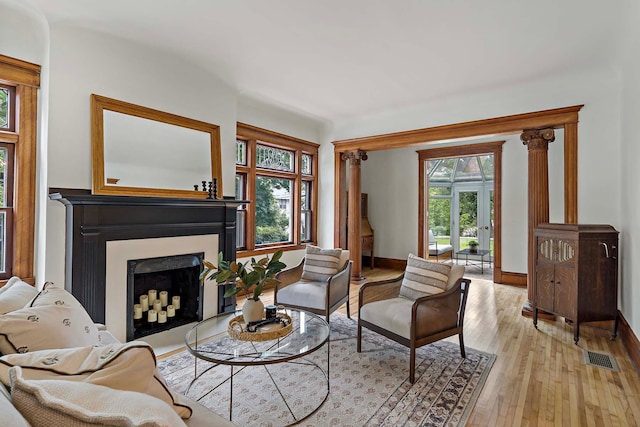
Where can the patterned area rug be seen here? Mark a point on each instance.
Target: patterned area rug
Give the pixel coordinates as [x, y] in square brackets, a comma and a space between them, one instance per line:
[367, 389]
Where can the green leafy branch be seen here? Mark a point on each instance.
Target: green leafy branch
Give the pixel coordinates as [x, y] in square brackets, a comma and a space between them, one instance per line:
[262, 274]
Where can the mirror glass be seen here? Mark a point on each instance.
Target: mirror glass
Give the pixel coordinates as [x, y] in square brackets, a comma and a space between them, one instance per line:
[141, 151]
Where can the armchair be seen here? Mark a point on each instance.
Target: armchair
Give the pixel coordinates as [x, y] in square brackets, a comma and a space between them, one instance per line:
[410, 319]
[320, 296]
[436, 249]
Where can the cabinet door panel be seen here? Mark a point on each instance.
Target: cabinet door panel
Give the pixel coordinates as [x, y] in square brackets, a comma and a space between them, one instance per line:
[545, 294]
[565, 291]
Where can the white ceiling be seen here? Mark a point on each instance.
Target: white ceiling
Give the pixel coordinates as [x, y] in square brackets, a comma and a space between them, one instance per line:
[335, 59]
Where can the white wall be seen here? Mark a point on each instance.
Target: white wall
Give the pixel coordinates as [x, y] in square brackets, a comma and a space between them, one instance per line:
[630, 203]
[85, 62]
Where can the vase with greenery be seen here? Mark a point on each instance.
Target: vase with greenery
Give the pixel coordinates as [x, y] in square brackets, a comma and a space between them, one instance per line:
[473, 245]
[249, 277]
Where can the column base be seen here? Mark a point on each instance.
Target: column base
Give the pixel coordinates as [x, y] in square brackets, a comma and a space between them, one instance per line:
[357, 280]
[527, 311]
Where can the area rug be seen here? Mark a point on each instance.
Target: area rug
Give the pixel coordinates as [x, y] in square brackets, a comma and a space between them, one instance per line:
[370, 388]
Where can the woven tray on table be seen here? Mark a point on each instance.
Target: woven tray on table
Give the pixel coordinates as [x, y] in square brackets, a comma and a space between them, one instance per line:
[238, 329]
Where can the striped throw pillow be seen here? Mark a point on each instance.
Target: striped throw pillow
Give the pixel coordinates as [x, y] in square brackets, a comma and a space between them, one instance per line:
[423, 278]
[320, 264]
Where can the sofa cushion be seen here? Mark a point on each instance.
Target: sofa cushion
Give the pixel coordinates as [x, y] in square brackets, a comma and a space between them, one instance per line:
[320, 264]
[53, 319]
[423, 278]
[68, 403]
[130, 367]
[15, 294]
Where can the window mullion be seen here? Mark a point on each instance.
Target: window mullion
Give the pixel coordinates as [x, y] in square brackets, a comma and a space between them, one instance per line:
[251, 194]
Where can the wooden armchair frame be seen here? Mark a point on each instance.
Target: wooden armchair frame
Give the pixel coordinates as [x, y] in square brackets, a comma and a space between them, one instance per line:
[420, 335]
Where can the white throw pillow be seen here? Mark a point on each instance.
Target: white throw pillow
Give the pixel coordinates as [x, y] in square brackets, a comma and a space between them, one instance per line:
[53, 319]
[66, 403]
[130, 367]
[320, 264]
[15, 294]
[423, 278]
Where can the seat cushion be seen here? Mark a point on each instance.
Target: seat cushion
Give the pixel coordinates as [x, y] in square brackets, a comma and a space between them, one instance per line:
[320, 264]
[392, 314]
[423, 278]
[440, 249]
[304, 293]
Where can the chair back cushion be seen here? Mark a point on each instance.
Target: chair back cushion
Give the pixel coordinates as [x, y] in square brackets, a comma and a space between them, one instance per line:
[457, 271]
[424, 278]
[320, 264]
[432, 238]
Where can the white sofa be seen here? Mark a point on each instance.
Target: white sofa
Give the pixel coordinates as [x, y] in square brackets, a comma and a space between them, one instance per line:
[43, 400]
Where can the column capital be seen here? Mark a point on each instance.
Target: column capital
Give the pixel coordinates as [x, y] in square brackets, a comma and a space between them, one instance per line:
[355, 156]
[536, 139]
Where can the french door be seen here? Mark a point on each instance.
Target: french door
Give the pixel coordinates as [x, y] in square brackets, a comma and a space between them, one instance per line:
[473, 216]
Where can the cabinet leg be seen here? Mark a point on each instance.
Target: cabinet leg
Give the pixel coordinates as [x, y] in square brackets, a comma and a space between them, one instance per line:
[576, 332]
[535, 317]
[615, 329]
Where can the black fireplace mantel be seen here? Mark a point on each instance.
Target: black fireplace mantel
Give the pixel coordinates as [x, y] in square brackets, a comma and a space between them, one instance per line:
[93, 220]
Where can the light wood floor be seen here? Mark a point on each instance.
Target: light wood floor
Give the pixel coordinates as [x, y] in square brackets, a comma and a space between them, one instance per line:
[539, 377]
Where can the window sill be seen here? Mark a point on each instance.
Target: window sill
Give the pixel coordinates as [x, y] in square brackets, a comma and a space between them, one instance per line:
[271, 249]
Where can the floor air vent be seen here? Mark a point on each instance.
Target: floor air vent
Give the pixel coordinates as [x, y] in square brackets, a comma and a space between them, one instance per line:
[600, 360]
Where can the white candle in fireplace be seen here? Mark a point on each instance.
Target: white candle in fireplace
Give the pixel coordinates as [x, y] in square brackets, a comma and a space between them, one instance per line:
[162, 316]
[144, 302]
[153, 295]
[171, 311]
[157, 305]
[152, 316]
[164, 298]
[176, 302]
[137, 311]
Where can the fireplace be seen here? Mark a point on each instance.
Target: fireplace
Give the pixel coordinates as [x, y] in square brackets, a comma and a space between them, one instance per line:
[104, 232]
[172, 280]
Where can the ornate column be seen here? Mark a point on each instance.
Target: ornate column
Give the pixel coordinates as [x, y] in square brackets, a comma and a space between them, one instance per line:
[537, 142]
[354, 223]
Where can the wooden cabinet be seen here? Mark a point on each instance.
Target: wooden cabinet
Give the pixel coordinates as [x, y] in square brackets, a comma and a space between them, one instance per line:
[576, 273]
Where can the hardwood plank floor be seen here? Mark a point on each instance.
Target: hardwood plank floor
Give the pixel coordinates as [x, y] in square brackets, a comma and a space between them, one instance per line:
[539, 377]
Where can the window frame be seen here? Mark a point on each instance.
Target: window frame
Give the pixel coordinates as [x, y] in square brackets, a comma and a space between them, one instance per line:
[253, 136]
[24, 77]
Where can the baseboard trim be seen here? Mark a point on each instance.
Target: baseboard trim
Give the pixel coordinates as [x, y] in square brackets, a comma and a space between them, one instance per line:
[515, 279]
[629, 339]
[391, 263]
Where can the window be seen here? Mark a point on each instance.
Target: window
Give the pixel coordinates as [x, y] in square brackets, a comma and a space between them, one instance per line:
[278, 175]
[18, 125]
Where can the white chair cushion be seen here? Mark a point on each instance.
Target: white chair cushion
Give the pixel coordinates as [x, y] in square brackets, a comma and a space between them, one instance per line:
[457, 271]
[320, 264]
[423, 278]
[439, 249]
[432, 238]
[391, 314]
[304, 293]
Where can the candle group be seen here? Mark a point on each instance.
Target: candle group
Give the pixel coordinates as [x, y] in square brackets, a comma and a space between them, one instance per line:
[158, 306]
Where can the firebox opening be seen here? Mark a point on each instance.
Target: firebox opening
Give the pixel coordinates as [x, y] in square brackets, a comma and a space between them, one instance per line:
[178, 276]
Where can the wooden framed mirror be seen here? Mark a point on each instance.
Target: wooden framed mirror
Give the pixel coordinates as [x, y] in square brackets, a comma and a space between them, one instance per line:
[139, 151]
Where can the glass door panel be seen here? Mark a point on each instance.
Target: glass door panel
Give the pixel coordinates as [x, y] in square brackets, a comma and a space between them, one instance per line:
[468, 202]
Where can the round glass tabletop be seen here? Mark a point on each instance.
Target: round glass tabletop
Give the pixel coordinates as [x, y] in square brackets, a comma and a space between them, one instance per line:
[209, 340]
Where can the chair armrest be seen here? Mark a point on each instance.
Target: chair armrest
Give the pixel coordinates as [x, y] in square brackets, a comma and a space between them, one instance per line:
[380, 290]
[338, 284]
[451, 301]
[289, 276]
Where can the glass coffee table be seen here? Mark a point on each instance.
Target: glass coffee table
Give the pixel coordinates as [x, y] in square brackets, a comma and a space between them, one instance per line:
[479, 252]
[283, 380]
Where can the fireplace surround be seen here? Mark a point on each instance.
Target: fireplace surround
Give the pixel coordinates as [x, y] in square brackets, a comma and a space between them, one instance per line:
[92, 221]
